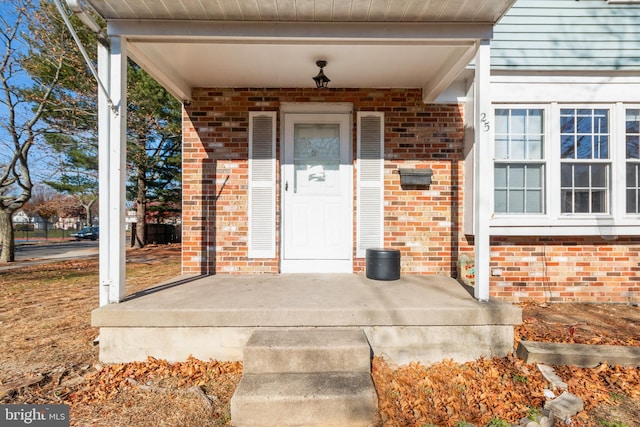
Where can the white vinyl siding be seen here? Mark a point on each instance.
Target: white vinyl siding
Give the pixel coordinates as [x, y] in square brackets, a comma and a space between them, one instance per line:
[567, 35]
[370, 167]
[262, 185]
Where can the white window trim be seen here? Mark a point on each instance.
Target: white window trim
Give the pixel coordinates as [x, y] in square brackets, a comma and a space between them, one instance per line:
[553, 222]
[623, 1]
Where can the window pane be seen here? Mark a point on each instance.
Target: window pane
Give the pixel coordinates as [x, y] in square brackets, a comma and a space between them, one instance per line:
[534, 122]
[581, 175]
[567, 122]
[633, 121]
[534, 148]
[534, 201]
[599, 175]
[584, 147]
[584, 122]
[500, 176]
[631, 175]
[581, 202]
[316, 158]
[516, 201]
[632, 201]
[599, 201]
[534, 176]
[502, 120]
[518, 118]
[501, 147]
[500, 201]
[566, 201]
[633, 147]
[517, 148]
[633, 187]
[516, 176]
[567, 150]
[566, 175]
[601, 121]
[602, 147]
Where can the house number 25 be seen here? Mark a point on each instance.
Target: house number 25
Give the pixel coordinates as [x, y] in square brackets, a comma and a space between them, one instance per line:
[486, 125]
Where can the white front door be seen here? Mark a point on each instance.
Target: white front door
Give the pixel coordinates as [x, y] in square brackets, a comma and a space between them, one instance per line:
[317, 210]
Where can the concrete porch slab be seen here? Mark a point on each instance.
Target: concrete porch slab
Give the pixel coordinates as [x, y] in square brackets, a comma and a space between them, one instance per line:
[305, 300]
[421, 318]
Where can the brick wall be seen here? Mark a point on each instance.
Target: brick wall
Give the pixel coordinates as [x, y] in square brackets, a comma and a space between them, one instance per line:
[586, 269]
[423, 224]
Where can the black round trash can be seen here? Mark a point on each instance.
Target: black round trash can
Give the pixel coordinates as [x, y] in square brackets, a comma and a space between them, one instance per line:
[383, 264]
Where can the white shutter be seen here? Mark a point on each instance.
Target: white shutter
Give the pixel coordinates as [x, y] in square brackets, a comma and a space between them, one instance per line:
[262, 184]
[370, 164]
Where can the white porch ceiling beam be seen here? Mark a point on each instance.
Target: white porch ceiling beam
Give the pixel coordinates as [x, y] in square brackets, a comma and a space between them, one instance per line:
[375, 32]
[447, 73]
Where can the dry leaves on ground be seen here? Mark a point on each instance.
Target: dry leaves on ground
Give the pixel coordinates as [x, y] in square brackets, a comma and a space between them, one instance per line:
[611, 324]
[602, 383]
[448, 393]
[211, 383]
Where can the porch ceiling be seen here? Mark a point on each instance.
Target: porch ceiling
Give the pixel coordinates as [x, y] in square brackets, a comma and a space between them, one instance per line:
[275, 43]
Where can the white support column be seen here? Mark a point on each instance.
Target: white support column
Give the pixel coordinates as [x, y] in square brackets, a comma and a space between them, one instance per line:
[104, 117]
[482, 171]
[112, 69]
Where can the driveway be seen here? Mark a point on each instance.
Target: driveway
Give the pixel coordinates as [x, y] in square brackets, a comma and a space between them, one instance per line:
[39, 253]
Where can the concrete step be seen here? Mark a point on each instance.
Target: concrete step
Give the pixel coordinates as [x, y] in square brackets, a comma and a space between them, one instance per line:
[307, 350]
[580, 355]
[307, 399]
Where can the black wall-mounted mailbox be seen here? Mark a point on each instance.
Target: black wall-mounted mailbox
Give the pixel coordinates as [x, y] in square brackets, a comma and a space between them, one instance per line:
[415, 177]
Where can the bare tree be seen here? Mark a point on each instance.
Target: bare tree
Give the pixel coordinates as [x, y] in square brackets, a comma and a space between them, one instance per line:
[26, 44]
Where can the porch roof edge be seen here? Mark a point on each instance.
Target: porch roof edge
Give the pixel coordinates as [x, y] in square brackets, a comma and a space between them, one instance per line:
[345, 31]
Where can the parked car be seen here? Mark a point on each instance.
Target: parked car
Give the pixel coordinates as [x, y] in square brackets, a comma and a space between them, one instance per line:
[87, 233]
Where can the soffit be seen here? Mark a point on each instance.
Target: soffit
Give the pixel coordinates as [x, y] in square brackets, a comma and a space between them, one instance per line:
[487, 11]
[240, 43]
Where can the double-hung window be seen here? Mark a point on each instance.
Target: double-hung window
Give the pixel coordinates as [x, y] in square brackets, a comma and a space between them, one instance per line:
[632, 134]
[570, 169]
[585, 162]
[519, 172]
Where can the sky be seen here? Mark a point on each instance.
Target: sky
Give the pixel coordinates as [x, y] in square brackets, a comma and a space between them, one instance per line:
[42, 161]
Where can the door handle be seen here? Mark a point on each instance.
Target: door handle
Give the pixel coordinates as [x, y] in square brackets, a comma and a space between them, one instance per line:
[286, 186]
